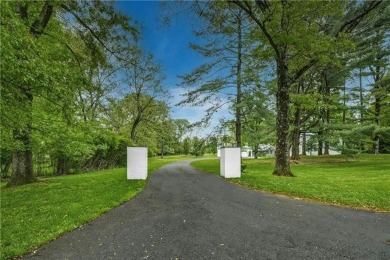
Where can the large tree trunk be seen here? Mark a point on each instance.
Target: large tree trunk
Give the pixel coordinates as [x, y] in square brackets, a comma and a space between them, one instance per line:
[296, 132]
[327, 112]
[304, 143]
[282, 165]
[326, 148]
[377, 78]
[361, 106]
[22, 159]
[256, 150]
[344, 111]
[320, 146]
[62, 165]
[239, 93]
[326, 142]
[320, 142]
[295, 135]
[22, 169]
[377, 121]
[134, 127]
[361, 101]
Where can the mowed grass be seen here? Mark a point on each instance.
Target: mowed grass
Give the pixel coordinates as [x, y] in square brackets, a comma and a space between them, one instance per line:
[359, 182]
[33, 214]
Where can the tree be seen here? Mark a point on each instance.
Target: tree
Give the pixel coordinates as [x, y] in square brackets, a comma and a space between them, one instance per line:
[186, 146]
[198, 146]
[144, 80]
[258, 119]
[223, 76]
[180, 128]
[376, 39]
[365, 64]
[212, 144]
[287, 35]
[37, 47]
[153, 128]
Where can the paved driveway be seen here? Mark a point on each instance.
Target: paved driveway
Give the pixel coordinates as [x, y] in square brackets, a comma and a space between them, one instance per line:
[186, 214]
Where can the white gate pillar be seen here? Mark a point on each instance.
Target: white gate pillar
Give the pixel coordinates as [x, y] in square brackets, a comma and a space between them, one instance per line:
[231, 162]
[137, 163]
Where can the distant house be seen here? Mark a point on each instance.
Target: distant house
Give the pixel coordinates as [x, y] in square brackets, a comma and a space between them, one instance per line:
[311, 145]
[266, 150]
[246, 151]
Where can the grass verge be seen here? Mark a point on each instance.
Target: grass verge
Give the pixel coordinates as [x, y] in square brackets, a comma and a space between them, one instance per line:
[34, 214]
[360, 182]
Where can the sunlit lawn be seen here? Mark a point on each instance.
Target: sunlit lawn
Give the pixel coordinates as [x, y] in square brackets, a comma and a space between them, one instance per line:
[360, 182]
[34, 214]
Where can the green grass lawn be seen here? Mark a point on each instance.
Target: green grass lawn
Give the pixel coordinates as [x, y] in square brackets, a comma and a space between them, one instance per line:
[359, 182]
[33, 214]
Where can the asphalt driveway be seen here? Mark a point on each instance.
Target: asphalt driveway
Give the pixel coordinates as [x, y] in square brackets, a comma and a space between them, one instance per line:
[186, 214]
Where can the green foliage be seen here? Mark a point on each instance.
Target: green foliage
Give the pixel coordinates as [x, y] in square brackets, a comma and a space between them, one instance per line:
[186, 146]
[152, 127]
[212, 145]
[258, 119]
[360, 139]
[198, 147]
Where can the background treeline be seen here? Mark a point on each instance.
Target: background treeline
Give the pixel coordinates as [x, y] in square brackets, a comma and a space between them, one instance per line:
[77, 89]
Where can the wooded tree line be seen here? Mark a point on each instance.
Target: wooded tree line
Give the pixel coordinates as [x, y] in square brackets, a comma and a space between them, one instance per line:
[292, 68]
[77, 89]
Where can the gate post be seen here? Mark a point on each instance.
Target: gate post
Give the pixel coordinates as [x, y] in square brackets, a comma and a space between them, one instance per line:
[230, 162]
[137, 163]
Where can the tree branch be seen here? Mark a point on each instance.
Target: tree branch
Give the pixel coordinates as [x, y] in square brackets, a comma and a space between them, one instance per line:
[66, 45]
[39, 25]
[244, 5]
[86, 26]
[348, 26]
[23, 11]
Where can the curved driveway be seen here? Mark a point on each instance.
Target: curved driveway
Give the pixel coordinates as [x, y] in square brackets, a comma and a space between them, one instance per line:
[186, 214]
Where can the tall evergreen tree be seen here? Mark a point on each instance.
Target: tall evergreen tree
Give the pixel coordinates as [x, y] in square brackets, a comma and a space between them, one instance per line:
[226, 50]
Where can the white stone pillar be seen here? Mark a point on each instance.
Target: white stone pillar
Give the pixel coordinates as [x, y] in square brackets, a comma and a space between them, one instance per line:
[137, 163]
[231, 162]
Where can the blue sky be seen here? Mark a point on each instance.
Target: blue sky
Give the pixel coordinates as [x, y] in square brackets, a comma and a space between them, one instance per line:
[169, 45]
